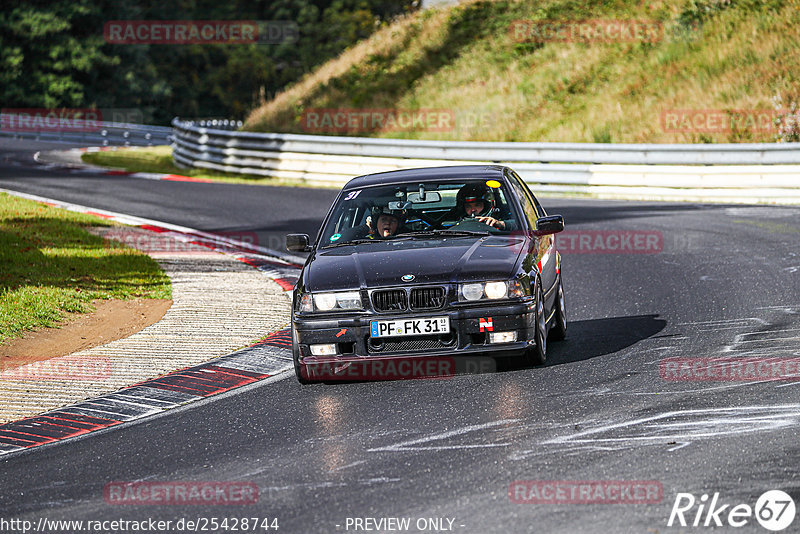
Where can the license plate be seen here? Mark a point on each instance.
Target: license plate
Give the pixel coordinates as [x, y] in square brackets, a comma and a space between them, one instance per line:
[410, 327]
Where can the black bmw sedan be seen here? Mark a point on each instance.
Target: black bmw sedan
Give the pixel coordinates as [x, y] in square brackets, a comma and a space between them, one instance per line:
[416, 271]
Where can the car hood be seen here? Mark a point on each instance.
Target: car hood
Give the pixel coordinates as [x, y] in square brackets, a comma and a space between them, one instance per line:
[383, 263]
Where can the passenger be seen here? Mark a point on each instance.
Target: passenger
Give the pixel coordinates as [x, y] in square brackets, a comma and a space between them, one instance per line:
[476, 201]
[382, 222]
[386, 222]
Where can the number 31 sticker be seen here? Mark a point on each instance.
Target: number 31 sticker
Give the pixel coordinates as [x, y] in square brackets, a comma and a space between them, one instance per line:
[352, 194]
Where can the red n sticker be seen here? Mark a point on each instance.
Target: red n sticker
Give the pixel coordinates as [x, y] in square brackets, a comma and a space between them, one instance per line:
[485, 324]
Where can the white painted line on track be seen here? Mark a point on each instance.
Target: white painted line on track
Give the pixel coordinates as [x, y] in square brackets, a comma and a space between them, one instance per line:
[411, 445]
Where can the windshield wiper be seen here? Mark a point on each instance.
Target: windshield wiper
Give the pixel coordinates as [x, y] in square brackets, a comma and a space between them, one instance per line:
[436, 233]
[352, 242]
[410, 235]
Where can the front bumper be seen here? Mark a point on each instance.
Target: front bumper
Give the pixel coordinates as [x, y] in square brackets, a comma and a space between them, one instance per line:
[358, 356]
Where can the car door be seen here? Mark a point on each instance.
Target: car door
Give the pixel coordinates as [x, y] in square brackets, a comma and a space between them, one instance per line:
[544, 256]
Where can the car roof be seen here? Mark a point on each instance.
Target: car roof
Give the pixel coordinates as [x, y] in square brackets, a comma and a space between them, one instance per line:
[454, 172]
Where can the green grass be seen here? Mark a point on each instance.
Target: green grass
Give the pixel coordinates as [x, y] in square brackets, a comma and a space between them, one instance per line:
[158, 159]
[714, 54]
[51, 265]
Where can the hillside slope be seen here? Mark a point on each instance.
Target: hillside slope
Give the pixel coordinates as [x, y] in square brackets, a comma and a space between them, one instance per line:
[711, 71]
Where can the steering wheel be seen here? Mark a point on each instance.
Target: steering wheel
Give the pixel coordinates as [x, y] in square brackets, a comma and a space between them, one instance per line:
[472, 225]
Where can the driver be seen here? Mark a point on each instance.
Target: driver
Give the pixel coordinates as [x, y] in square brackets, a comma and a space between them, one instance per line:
[477, 201]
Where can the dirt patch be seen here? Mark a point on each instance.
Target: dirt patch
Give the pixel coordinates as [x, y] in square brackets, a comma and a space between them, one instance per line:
[112, 320]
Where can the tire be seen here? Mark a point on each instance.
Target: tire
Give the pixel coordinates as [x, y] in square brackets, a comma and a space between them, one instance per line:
[296, 360]
[297, 374]
[559, 329]
[537, 354]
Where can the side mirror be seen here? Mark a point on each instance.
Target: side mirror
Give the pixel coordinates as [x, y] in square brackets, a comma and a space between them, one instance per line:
[549, 225]
[297, 243]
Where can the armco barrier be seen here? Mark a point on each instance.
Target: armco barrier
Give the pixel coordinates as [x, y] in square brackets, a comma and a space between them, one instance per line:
[743, 173]
[101, 134]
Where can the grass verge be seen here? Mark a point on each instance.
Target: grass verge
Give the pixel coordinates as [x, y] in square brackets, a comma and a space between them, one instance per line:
[736, 59]
[52, 266]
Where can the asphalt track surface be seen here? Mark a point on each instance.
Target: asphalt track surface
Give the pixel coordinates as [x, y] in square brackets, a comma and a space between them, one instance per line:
[726, 283]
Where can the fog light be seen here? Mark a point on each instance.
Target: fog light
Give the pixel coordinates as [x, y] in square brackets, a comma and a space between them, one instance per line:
[328, 349]
[502, 337]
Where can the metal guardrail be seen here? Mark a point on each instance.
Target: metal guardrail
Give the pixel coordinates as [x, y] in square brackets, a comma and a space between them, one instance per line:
[597, 153]
[751, 173]
[98, 134]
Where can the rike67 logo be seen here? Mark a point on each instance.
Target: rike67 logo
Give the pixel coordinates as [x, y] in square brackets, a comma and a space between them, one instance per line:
[774, 510]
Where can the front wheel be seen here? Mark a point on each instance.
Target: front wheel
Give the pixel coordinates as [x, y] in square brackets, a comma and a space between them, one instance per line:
[296, 359]
[299, 375]
[538, 353]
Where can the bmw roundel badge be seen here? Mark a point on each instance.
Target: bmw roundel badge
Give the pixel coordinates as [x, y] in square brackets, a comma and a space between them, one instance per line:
[408, 277]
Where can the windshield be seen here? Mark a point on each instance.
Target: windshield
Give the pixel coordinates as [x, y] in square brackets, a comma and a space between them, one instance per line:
[421, 210]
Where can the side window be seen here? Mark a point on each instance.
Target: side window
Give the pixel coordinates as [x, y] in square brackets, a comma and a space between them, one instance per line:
[539, 208]
[524, 200]
[348, 217]
[530, 194]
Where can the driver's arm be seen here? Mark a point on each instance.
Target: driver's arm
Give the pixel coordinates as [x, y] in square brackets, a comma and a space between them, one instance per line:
[500, 224]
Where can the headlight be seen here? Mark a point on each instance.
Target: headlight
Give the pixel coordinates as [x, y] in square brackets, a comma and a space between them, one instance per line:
[349, 301]
[491, 290]
[345, 300]
[325, 301]
[495, 290]
[472, 291]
